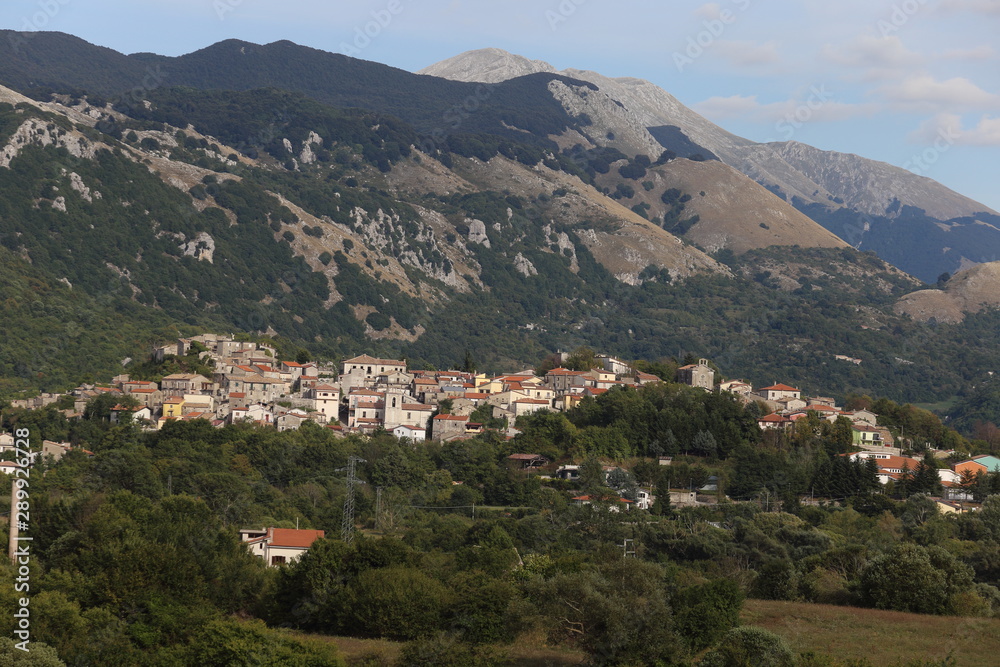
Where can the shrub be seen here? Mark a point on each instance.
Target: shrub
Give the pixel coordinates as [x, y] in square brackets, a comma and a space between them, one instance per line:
[750, 646]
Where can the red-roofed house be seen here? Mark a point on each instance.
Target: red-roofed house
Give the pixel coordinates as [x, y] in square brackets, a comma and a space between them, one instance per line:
[326, 399]
[774, 422]
[414, 433]
[371, 367]
[563, 379]
[527, 461]
[279, 546]
[615, 503]
[777, 392]
[448, 427]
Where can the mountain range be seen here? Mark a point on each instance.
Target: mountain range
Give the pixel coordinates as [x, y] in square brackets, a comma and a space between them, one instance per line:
[487, 204]
[871, 205]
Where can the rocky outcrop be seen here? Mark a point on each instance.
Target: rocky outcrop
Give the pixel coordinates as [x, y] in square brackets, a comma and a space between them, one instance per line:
[524, 266]
[201, 247]
[477, 232]
[487, 66]
[36, 132]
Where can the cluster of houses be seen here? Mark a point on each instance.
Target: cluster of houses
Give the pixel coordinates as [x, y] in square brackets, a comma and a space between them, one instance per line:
[365, 394]
[362, 395]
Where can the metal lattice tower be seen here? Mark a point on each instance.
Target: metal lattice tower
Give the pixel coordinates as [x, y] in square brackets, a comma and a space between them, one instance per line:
[347, 527]
[628, 547]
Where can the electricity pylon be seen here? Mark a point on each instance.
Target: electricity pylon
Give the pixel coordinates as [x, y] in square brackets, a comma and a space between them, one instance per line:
[347, 527]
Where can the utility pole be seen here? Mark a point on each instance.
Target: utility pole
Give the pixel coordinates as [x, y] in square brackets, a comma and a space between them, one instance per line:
[347, 527]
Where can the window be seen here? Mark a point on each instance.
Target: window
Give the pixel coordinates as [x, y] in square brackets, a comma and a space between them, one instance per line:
[277, 560]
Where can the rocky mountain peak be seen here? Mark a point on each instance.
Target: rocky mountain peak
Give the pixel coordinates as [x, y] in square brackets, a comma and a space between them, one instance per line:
[486, 66]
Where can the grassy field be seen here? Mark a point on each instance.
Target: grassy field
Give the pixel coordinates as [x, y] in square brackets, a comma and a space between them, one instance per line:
[882, 637]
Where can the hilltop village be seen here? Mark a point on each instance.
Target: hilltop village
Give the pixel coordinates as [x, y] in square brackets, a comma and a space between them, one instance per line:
[365, 394]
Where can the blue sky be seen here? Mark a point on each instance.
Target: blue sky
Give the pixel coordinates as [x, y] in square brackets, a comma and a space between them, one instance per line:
[915, 83]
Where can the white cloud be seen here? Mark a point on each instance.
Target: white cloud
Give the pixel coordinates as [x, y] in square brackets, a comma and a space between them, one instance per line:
[943, 124]
[815, 104]
[987, 133]
[977, 53]
[871, 51]
[924, 92]
[950, 128]
[874, 58]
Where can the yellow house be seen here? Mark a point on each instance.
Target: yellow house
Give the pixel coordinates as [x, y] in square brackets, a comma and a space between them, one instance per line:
[487, 386]
[173, 407]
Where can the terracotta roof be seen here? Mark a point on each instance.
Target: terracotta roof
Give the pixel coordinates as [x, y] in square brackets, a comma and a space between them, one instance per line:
[475, 395]
[418, 406]
[451, 418]
[607, 498]
[290, 537]
[325, 387]
[366, 359]
[775, 419]
[237, 394]
[779, 387]
[534, 401]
